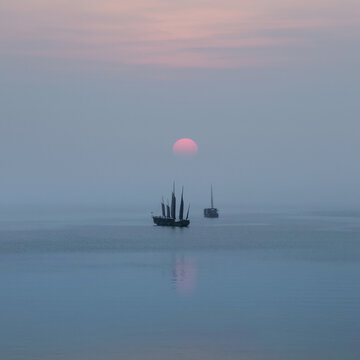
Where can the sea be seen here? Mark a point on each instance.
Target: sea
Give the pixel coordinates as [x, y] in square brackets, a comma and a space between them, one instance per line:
[106, 284]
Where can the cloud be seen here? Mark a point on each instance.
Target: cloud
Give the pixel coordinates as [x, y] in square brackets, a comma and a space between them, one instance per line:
[213, 34]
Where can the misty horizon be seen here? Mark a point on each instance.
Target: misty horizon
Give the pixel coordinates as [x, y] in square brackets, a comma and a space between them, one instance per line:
[269, 94]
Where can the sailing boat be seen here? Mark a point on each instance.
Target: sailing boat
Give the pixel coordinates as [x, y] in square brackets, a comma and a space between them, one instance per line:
[211, 212]
[168, 217]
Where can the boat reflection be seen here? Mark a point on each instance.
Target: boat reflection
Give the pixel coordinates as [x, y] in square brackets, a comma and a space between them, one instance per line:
[184, 275]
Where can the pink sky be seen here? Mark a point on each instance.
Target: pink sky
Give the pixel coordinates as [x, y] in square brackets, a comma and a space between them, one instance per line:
[197, 33]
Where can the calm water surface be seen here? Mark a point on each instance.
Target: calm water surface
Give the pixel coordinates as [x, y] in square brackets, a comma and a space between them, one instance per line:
[108, 285]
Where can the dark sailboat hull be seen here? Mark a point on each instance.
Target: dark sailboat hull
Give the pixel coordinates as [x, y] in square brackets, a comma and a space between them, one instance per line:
[164, 221]
[211, 213]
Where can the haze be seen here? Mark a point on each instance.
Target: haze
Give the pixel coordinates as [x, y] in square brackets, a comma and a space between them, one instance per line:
[95, 93]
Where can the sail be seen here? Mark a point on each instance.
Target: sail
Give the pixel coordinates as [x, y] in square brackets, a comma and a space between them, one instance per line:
[181, 211]
[163, 207]
[167, 209]
[187, 214]
[173, 206]
[212, 199]
[173, 203]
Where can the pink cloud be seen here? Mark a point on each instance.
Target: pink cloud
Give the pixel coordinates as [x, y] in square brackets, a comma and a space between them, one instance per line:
[217, 33]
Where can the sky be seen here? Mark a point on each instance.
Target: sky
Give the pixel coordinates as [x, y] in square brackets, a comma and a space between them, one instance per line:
[94, 94]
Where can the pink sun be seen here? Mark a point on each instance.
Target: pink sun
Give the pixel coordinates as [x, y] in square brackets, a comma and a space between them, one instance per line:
[185, 147]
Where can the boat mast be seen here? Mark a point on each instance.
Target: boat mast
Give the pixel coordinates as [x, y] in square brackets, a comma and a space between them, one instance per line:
[181, 211]
[173, 203]
[163, 207]
[212, 199]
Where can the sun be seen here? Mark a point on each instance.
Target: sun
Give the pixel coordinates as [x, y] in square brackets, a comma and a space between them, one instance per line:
[185, 147]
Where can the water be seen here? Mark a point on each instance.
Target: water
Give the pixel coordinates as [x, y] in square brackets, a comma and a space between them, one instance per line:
[86, 285]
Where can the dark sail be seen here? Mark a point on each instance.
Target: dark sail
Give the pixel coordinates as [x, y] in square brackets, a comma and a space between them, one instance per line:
[187, 214]
[181, 211]
[173, 206]
[168, 209]
[212, 199]
[173, 203]
[163, 207]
